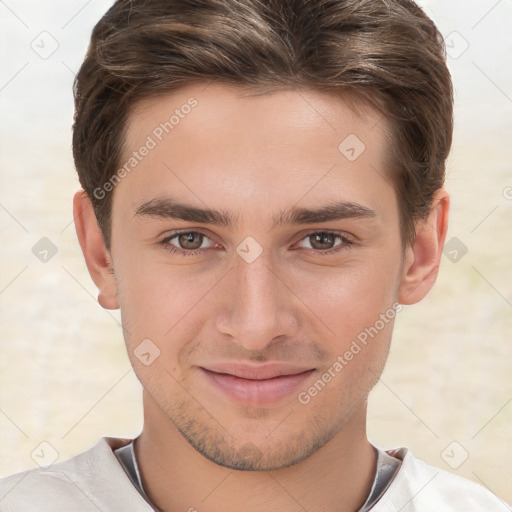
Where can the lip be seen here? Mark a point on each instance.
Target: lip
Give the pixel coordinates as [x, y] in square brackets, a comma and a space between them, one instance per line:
[257, 371]
[256, 384]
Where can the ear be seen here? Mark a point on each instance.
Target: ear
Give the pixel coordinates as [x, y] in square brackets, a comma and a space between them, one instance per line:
[422, 258]
[97, 257]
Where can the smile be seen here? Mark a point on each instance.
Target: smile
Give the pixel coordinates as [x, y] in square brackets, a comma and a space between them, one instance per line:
[256, 386]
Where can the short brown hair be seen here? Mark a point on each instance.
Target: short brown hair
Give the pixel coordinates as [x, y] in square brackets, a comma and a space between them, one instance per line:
[387, 52]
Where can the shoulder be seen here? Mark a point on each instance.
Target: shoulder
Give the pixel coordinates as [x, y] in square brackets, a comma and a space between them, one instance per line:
[90, 481]
[419, 487]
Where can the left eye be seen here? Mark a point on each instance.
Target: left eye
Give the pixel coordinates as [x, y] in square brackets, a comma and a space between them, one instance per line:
[324, 241]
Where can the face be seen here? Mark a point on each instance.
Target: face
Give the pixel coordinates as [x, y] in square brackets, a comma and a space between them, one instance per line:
[257, 258]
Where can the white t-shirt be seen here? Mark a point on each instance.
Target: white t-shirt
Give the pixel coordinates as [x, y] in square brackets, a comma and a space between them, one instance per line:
[95, 480]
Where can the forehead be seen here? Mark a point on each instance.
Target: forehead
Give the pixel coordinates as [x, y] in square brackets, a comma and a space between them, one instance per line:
[219, 145]
[264, 111]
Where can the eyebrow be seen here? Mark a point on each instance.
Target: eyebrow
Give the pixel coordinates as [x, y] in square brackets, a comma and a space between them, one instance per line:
[169, 208]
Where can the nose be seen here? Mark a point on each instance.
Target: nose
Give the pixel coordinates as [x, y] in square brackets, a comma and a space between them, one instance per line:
[258, 306]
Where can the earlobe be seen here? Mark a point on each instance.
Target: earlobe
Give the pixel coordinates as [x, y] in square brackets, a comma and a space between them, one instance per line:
[422, 258]
[97, 257]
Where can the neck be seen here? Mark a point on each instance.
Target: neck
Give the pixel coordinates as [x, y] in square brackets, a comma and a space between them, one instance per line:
[336, 478]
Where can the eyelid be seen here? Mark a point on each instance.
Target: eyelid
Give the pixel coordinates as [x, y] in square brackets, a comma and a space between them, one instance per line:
[340, 234]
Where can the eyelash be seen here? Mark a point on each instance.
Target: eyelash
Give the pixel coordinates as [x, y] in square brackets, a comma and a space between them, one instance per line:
[347, 243]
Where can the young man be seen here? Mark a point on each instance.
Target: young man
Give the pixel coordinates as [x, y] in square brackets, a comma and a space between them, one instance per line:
[262, 188]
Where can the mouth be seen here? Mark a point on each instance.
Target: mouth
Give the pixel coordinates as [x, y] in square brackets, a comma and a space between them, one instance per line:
[256, 385]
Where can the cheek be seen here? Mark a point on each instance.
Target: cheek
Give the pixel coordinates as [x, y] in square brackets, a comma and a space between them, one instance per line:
[349, 298]
[158, 302]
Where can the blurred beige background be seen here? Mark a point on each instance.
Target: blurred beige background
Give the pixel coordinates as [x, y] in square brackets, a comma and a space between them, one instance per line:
[65, 379]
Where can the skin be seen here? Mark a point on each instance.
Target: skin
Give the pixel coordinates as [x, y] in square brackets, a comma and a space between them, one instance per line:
[254, 157]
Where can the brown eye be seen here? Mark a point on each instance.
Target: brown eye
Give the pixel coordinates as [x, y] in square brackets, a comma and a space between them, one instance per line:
[321, 241]
[327, 242]
[190, 241]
